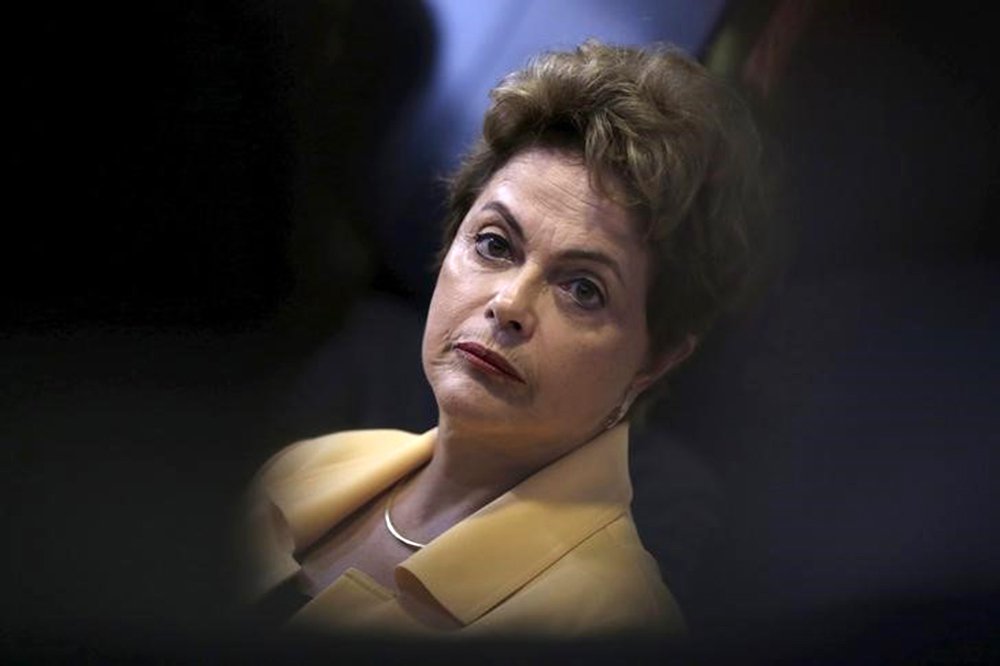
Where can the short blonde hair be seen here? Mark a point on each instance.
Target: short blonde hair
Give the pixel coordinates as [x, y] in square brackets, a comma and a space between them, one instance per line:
[653, 126]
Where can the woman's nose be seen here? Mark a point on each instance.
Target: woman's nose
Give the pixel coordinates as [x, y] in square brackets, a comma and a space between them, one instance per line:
[512, 307]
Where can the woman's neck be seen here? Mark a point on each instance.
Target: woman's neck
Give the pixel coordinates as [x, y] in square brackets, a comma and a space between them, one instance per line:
[464, 474]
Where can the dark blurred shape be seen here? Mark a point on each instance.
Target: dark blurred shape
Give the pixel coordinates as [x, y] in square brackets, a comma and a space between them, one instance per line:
[359, 67]
[204, 164]
[173, 261]
[854, 414]
[767, 61]
[152, 165]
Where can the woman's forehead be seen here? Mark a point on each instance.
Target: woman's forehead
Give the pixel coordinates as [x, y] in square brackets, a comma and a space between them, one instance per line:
[551, 189]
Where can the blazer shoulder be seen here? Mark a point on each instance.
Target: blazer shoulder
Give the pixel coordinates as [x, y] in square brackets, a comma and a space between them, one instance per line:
[333, 446]
[615, 561]
[606, 585]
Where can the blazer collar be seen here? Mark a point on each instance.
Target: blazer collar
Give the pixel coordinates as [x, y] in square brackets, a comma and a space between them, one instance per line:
[317, 483]
[483, 559]
[308, 487]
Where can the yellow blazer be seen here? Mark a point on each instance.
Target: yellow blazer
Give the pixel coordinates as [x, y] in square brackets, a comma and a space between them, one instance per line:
[558, 555]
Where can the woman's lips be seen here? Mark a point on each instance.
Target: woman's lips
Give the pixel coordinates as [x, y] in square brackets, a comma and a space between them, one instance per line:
[488, 360]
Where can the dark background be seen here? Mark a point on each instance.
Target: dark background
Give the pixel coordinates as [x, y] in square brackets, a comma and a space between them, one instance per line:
[216, 243]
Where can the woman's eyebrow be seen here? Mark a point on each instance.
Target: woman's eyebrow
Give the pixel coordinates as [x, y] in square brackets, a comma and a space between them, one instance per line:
[595, 256]
[504, 212]
[572, 253]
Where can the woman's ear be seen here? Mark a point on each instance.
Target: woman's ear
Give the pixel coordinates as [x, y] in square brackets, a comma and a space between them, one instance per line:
[663, 363]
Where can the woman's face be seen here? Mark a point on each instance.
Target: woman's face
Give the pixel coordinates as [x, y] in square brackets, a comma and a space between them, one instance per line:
[537, 327]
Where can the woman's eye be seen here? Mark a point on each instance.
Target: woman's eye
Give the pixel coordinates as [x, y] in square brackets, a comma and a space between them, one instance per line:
[493, 246]
[586, 294]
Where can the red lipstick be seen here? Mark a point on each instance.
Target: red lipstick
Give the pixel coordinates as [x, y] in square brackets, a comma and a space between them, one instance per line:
[488, 360]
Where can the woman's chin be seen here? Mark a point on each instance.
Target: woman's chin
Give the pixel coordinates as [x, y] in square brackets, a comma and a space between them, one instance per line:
[481, 390]
[477, 402]
[481, 403]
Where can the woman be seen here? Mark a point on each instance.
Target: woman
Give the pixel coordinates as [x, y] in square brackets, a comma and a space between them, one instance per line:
[593, 234]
